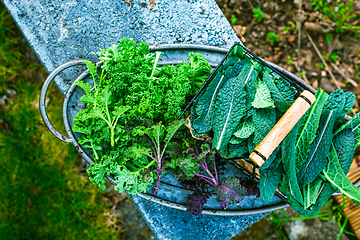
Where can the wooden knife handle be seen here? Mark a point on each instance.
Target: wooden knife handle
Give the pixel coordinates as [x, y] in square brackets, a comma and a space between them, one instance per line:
[282, 128]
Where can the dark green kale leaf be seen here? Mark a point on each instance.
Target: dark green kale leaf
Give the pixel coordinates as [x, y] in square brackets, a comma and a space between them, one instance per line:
[270, 178]
[234, 57]
[285, 89]
[235, 140]
[245, 129]
[264, 120]
[344, 144]
[251, 83]
[336, 103]
[238, 150]
[336, 176]
[349, 102]
[280, 101]
[232, 71]
[229, 110]
[354, 126]
[202, 111]
[298, 207]
[308, 126]
[319, 150]
[289, 164]
[262, 97]
[311, 192]
[346, 154]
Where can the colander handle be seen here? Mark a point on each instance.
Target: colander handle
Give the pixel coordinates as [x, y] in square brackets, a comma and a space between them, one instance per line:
[44, 90]
[282, 128]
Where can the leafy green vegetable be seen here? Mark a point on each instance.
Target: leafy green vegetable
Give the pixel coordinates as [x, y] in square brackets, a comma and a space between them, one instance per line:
[319, 149]
[229, 111]
[336, 103]
[289, 164]
[136, 81]
[123, 106]
[336, 176]
[200, 70]
[245, 129]
[202, 111]
[262, 97]
[344, 144]
[354, 126]
[280, 101]
[251, 84]
[342, 148]
[158, 137]
[184, 167]
[311, 191]
[235, 140]
[248, 101]
[234, 56]
[285, 89]
[349, 102]
[229, 190]
[270, 178]
[238, 150]
[264, 120]
[308, 125]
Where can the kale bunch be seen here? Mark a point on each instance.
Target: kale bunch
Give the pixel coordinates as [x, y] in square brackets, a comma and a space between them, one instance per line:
[151, 92]
[131, 111]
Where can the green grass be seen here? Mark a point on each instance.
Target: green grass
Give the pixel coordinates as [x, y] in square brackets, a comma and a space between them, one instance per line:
[43, 195]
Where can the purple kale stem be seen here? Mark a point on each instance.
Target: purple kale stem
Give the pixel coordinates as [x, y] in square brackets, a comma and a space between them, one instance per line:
[205, 160]
[204, 165]
[156, 188]
[216, 173]
[197, 152]
[203, 178]
[223, 205]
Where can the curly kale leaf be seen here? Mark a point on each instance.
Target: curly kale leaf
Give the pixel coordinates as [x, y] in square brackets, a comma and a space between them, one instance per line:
[151, 92]
[200, 70]
[196, 201]
[134, 182]
[230, 190]
[184, 167]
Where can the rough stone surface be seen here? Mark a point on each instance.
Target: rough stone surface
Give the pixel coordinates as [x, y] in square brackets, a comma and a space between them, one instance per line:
[60, 31]
[180, 225]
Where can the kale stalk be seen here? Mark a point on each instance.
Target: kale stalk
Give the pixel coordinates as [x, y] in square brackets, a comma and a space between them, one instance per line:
[228, 189]
[155, 135]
